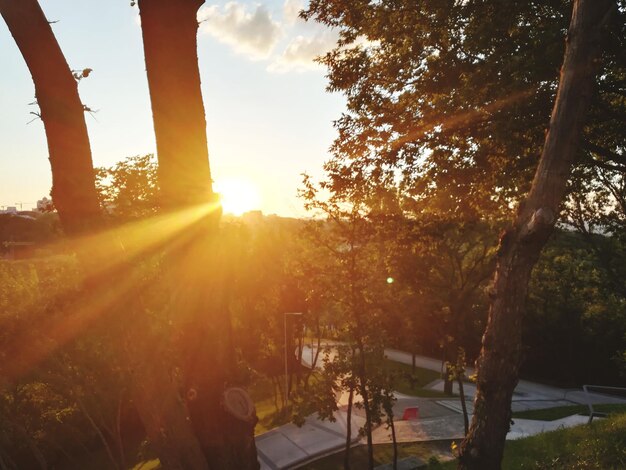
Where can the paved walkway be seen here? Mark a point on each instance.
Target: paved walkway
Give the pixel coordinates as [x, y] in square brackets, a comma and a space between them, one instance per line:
[527, 395]
[288, 446]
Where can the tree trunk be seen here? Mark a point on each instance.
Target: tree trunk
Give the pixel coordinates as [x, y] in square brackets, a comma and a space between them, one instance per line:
[315, 355]
[463, 404]
[346, 457]
[118, 432]
[32, 445]
[522, 243]
[165, 419]
[448, 383]
[63, 115]
[394, 442]
[198, 280]
[98, 431]
[366, 406]
[169, 32]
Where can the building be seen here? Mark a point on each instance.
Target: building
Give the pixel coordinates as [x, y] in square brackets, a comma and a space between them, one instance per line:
[44, 205]
[9, 210]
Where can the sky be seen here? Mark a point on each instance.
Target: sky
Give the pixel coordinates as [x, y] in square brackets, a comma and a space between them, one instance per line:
[269, 117]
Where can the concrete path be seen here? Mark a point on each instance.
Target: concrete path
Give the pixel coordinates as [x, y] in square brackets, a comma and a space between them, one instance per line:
[527, 395]
[289, 446]
[526, 427]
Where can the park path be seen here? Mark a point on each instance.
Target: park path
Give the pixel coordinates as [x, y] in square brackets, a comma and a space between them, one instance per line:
[289, 446]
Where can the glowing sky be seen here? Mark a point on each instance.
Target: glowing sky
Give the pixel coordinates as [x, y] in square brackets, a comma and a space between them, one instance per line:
[269, 117]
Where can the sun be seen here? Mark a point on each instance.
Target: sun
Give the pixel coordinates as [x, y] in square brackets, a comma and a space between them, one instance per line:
[237, 195]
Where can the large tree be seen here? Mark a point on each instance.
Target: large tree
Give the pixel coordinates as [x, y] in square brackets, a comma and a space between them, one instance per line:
[199, 306]
[350, 249]
[452, 99]
[521, 244]
[62, 112]
[169, 31]
[170, 40]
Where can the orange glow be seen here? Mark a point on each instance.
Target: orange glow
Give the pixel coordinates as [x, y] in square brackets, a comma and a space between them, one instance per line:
[238, 195]
[461, 119]
[107, 254]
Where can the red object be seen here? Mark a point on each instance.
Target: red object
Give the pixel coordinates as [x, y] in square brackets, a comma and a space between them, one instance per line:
[412, 412]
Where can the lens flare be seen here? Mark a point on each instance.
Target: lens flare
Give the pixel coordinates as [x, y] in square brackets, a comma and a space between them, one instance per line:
[238, 196]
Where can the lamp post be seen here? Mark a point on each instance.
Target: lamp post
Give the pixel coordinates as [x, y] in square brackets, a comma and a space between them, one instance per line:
[286, 356]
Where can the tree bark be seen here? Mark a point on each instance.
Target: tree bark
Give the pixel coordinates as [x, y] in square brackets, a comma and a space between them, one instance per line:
[63, 115]
[98, 431]
[346, 456]
[166, 419]
[74, 194]
[463, 405]
[521, 244]
[169, 31]
[362, 376]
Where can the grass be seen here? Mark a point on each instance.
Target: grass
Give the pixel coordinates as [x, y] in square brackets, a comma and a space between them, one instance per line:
[551, 414]
[262, 394]
[383, 453]
[601, 446]
[153, 464]
[415, 387]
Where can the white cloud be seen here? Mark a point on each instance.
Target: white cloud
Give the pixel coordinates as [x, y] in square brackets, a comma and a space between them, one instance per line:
[251, 30]
[301, 52]
[253, 33]
[291, 10]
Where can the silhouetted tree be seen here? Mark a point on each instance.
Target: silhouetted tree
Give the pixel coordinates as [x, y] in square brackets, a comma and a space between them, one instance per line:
[169, 31]
[62, 112]
[521, 244]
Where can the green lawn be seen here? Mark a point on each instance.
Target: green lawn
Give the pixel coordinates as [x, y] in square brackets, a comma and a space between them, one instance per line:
[551, 414]
[600, 446]
[421, 378]
[383, 453]
[153, 464]
[261, 392]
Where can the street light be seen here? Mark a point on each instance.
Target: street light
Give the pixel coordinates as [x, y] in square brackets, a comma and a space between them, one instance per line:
[286, 362]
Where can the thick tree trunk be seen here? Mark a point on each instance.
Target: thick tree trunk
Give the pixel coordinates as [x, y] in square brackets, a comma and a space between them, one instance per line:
[99, 433]
[165, 419]
[170, 46]
[521, 244]
[75, 197]
[169, 36]
[63, 115]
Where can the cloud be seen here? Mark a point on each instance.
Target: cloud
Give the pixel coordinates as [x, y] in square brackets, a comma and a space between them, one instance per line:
[291, 11]
[253, 33]
[301, 52]
[251, 30]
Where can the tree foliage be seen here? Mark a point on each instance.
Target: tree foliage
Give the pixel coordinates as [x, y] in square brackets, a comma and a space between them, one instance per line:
[454, 97]
[129, 189]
